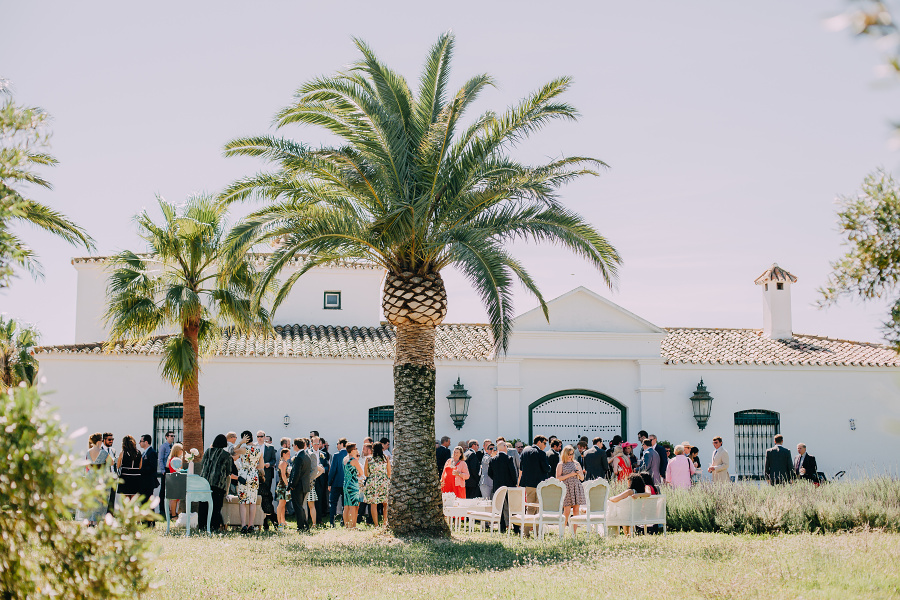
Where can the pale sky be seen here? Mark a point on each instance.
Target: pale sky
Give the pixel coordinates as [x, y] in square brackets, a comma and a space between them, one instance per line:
[729, 128]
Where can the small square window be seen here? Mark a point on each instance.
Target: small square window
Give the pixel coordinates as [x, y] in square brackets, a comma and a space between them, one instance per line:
[779, 286]
[767, 287]
[332, 301]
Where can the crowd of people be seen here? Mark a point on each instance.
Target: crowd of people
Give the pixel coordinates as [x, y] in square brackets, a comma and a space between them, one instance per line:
[304, 479]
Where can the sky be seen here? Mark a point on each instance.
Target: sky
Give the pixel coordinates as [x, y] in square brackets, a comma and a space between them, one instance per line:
[729, 130]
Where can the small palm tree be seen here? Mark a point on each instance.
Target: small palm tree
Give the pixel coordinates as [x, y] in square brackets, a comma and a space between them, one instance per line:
[22, 144]
[414, 191]
[177, 285]
[17, 361]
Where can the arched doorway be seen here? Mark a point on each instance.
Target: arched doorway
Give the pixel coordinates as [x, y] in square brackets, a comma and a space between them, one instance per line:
[570, 414]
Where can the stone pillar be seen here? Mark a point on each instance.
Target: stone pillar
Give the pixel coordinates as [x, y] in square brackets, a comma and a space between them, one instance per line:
[651, 415]
[510, 411]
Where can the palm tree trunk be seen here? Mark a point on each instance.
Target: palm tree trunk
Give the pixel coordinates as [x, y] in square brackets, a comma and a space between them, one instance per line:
[414, 503]
[190, 397]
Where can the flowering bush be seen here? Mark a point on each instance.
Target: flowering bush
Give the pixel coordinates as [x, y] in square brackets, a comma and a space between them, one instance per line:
[43, 552]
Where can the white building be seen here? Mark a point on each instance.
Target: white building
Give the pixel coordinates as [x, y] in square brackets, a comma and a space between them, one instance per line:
[594, 369]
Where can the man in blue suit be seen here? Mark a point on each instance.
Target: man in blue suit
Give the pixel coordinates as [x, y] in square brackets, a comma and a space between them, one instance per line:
[336, 479]
[663, 459]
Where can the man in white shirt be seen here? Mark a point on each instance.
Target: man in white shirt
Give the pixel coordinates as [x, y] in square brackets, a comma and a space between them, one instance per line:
[719, 464]
[386, 446]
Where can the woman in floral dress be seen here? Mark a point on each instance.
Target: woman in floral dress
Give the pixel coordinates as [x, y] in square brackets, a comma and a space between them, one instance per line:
[569, 472]
[352, 473]
[378, 480]
[249, 464]
[282, 491]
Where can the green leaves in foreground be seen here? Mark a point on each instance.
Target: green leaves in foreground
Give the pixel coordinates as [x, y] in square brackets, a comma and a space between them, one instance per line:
[43, 552]
[870, 269]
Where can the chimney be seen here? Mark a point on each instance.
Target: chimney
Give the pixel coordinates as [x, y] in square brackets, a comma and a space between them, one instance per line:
[776, 289]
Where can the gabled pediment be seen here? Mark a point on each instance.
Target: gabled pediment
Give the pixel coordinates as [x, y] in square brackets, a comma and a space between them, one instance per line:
[582, 310]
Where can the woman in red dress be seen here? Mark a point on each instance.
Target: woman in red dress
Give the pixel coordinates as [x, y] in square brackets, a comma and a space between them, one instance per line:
[621, 465]
[455, 474]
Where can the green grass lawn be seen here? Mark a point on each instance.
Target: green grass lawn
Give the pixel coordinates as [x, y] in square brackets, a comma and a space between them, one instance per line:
[367, 564]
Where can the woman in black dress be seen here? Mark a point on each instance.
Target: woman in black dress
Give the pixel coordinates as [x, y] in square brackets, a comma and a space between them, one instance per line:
[129, 466]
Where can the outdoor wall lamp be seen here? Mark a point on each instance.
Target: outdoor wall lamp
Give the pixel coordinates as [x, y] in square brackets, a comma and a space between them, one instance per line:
[852, 424]
[459, 404]
[287, 420]
[702, 402]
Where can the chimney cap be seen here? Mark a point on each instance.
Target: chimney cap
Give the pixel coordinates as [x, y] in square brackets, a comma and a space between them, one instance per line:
[774, 273]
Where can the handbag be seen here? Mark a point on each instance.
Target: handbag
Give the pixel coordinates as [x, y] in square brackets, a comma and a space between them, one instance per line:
[242, 480]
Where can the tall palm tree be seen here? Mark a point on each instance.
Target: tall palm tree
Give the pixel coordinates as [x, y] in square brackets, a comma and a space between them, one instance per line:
[17, 362]
[22, 144]
[414, 190]
[177, 285]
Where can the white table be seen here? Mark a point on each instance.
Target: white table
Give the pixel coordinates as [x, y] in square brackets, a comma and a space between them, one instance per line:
[456, 514]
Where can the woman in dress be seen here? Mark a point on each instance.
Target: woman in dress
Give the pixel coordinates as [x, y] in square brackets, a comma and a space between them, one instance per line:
[352, 475]
[378, 480]
[679, 470]
[216, 467]
[176, 452]
[129, 467]
[249, 464]
[96, 457]
[694, 456]
[485, 483]
[364, 507]
[282, 491]
[569, 472]
[628, 453]
[621, 466]
[312, 498]
[455, 474]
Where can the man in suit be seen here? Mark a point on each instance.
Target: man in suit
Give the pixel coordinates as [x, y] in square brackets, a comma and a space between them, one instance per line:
[108, 440]
[535, 469]
[162, 461]
[299, 483]
[642, 435]
[473, 458]
[805, 466]
[270, 458]
[148, 469]
[553, 455]
[650, 462]
[336, 479]
[502, 473]
[719, 465]
[595, 461]
[779, 466]
[443, 454]
[663, 458]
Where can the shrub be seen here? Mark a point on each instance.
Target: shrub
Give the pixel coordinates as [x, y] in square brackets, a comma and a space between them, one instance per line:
[795, 508]
[43, 552]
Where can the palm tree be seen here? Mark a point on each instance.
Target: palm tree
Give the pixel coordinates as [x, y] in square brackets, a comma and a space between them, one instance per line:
[17, 362]
[413, 190]
[178, 286]
[22, 145]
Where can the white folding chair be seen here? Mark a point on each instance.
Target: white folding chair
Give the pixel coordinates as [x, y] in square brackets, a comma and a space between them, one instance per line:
[596, 491]
[491, 518]
[551, 494]
[516, 499]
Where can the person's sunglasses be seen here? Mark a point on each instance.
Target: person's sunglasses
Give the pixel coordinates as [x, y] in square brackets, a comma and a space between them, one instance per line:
[260, 436]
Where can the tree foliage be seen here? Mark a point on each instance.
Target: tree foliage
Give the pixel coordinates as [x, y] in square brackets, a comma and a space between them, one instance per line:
[17, 361]
[43, 553]
[23, 144]
[412, 185]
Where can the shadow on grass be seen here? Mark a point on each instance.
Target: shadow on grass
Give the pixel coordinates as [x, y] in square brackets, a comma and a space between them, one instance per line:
[434, 557]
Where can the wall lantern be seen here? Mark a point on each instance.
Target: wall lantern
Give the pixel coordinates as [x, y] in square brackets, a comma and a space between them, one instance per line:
[287, 420]
[852, 424]
[702, 402]
[459, 404]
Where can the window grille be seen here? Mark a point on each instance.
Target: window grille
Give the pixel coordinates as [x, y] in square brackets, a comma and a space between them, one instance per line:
[381, 423]
[754, 431]
[170, 417]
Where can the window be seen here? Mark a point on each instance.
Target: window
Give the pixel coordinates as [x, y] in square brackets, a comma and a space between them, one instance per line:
[779, 286]
[170, 417]
[381, 423]
[332, 301]
[754, 431]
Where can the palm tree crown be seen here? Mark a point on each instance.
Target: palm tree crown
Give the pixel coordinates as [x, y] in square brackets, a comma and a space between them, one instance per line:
[22, 145]
[17, 362]
[411, 188]
[178, 286]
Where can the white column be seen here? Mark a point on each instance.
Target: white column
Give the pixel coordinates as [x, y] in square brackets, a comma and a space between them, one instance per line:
[509, 399]
[650, 394]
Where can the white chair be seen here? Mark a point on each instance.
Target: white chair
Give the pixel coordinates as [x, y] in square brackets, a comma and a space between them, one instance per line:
[596, 491]
[491, 518]
[650, 511]
[516, 499]
[551, 494]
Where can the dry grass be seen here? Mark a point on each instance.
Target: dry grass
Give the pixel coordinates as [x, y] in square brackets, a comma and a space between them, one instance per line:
[367, 564]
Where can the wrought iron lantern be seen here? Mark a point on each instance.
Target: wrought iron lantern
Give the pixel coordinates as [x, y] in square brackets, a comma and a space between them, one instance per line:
[459, 404]
[287, 420]
[702, 402]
